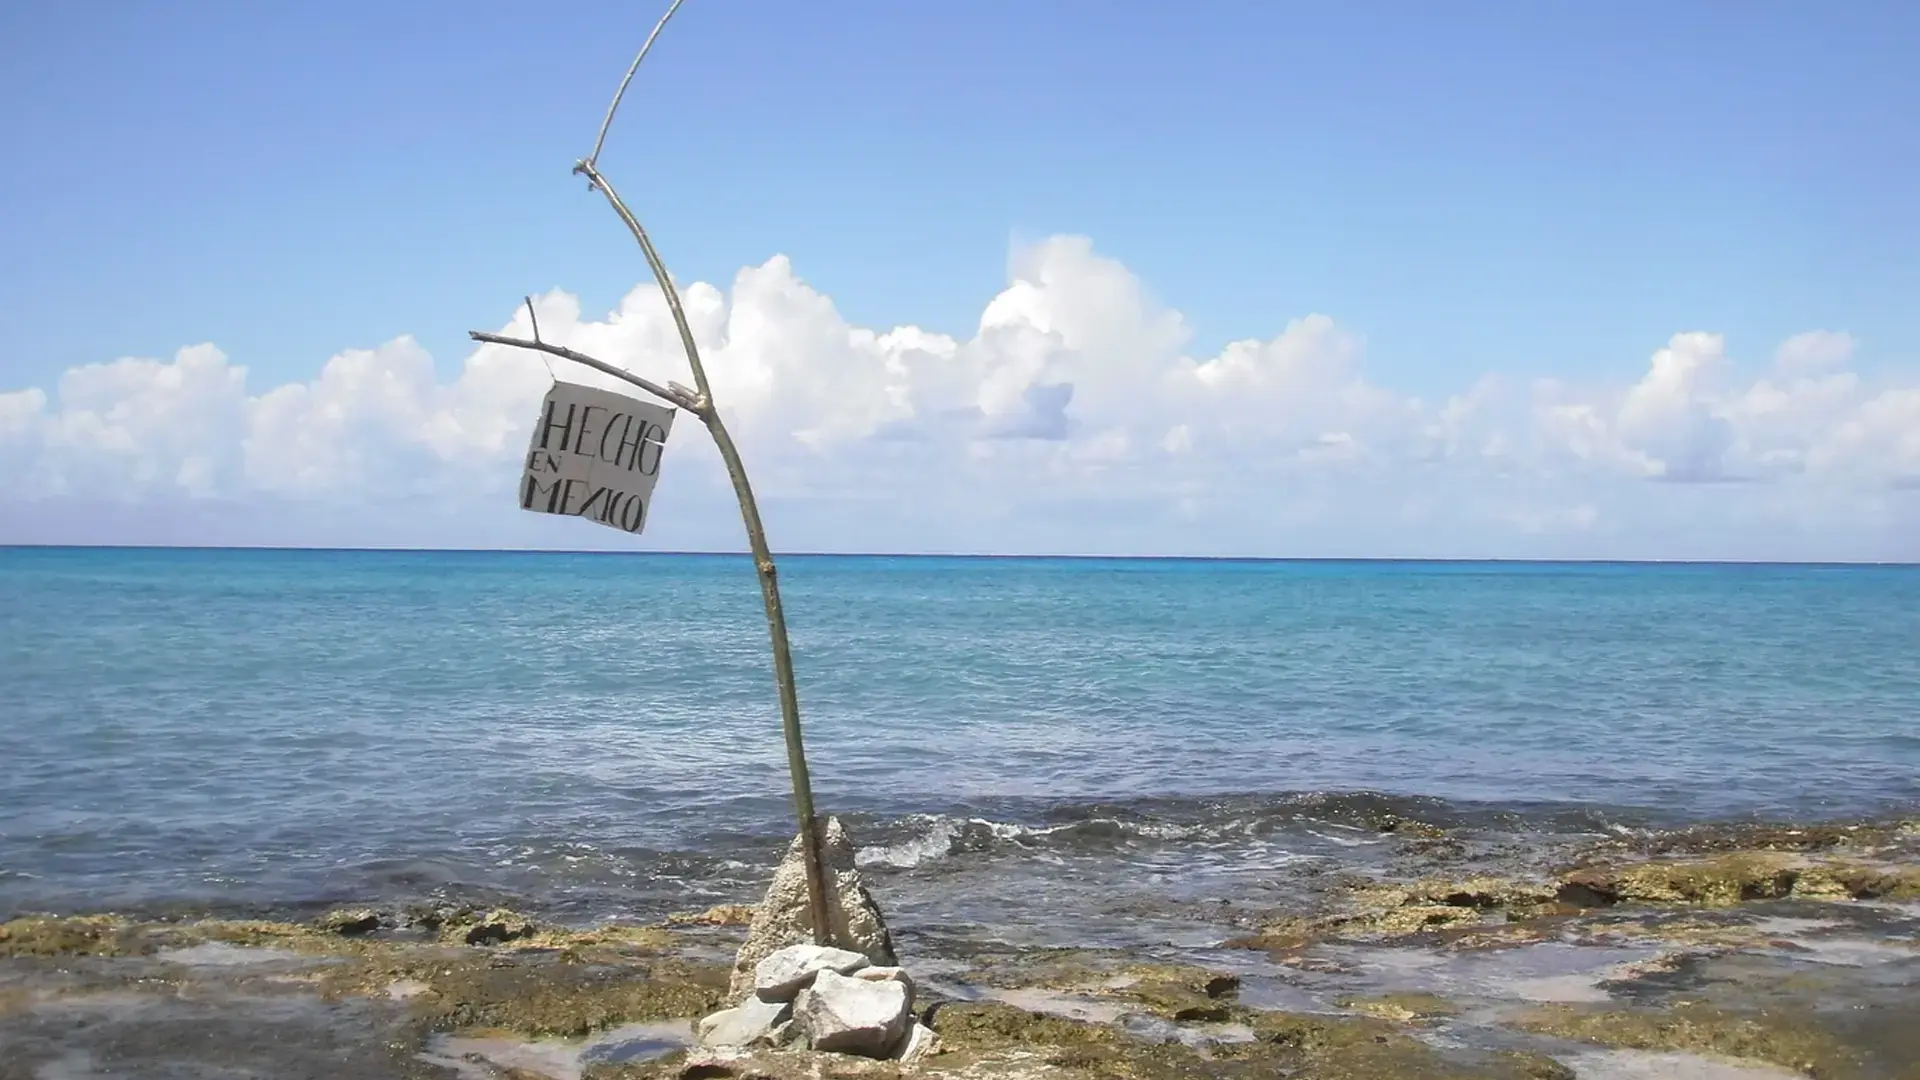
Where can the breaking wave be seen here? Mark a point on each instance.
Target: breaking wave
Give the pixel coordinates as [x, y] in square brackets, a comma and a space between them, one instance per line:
[1309, 821]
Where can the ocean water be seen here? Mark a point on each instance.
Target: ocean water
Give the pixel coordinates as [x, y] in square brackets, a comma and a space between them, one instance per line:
[597, 735]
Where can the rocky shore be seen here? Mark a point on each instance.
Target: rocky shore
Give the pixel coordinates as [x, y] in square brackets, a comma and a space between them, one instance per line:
[1740, 952]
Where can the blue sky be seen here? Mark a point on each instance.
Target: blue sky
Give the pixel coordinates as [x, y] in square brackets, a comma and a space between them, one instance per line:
[1538, 190]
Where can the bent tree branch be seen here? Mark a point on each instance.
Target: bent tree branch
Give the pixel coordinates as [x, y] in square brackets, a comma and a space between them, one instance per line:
[622, 92]
[700, 402]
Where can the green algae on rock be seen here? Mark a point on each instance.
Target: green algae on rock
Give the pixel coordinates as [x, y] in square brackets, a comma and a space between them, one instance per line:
[548, 982]
[494, 928]
[983, 1034]
[75, 935]
[350, 922]
[1737, 877]
[1484, 893]
[993, 1041]
[1178, 992]
[1408, 827]
[1806, 838]
[1173, 991]
[1837, 863]
[1368, 1048]
[1772, 1037]
[1393, 910]
[1284, 1044]
[558, 998]
[569, 984]
[1401, 1007]
[718, 915]
[1052, 968]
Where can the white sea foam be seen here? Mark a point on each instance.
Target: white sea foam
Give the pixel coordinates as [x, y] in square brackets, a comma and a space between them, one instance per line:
[935, 840]
[938, 836]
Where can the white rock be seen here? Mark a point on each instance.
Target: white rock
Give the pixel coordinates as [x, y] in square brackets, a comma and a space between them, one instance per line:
[853, 1016]
[783, 918]
[750, 1023]
[917, 1043]
[888, 974]
[780, 976]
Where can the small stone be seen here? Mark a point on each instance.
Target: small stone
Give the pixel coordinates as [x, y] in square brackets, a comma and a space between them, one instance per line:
[751, 1023]
[918, 1042]
[780, 976]
[497, 927]
[853, 1016]
[350, 922]
[1589, 888]
[784, 1034]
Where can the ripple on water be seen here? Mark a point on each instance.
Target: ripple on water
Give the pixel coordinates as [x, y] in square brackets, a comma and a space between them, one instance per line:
[271, 728]
[1549, 971]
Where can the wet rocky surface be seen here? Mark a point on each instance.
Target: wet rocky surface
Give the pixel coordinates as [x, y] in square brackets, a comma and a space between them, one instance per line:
[1730, 953]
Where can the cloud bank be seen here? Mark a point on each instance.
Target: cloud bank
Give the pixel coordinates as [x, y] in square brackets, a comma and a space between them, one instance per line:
[1073, 419]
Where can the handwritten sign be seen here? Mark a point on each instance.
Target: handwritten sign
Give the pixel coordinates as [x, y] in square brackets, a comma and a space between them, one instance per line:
[596, 455]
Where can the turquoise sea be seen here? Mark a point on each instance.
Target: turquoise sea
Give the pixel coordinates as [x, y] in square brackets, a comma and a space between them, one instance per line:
[595, 735]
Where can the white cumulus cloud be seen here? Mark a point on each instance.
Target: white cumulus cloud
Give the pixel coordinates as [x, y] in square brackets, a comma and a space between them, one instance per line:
[1071, 417]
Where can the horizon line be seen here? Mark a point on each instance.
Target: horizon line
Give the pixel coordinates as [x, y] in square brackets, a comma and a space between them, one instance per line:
[981, 555]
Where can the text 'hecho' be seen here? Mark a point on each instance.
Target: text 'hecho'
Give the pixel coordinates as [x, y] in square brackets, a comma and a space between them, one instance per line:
[595, 454]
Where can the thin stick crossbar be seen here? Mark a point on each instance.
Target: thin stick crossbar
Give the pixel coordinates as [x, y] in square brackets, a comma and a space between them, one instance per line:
[668, 394]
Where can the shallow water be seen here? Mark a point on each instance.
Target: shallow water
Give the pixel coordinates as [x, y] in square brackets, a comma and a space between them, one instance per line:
[1828, 986]
[1065, 750]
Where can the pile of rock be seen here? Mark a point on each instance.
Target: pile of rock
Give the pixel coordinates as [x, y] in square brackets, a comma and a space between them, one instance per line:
[783, 919]
[814, 997]
[793, 994]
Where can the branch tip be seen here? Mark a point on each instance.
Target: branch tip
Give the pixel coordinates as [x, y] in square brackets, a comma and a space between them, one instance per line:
[622, 92]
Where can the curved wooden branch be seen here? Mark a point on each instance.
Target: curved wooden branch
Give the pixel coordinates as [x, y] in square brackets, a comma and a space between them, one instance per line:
[622, 92]
[709, 413]
[659, 268]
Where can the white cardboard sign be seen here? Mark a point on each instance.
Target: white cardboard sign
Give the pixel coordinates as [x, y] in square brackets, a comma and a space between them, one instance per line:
[595, 454]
